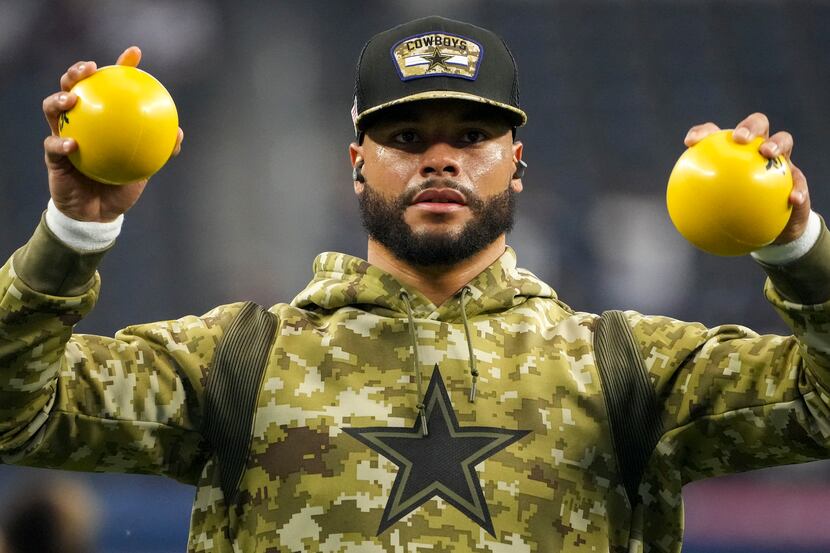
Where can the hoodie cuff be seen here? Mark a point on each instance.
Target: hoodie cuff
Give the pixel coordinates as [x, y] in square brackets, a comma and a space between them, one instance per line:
[49, 266]
[806, 280]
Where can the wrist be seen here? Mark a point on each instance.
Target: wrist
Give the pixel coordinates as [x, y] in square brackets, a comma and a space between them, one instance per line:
[804, 279]
[84, 236]
[781, 254]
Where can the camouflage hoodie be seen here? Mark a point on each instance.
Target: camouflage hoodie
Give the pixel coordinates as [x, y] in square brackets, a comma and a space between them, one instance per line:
[367, 435]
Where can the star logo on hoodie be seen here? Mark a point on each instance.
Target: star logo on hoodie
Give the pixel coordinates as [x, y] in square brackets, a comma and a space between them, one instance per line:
[442, 463]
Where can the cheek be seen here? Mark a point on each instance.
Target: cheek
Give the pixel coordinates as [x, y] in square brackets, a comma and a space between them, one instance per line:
[491, 169]
[391, 166]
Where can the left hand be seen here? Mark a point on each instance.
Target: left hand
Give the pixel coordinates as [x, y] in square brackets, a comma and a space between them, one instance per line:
[781, 143]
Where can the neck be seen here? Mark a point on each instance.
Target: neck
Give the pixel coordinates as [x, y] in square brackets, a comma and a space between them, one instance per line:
[437, 283]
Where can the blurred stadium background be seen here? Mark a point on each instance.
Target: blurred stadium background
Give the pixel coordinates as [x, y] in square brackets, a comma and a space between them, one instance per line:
[263, 182]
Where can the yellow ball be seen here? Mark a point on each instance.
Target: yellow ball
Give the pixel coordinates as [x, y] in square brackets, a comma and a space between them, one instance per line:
[125, 124]
[728, 199]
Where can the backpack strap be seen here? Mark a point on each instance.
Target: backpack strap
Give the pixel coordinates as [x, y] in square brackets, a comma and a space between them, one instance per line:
[633, 410]
[232, 389]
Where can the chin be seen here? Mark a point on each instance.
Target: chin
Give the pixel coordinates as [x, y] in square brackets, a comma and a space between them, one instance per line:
[441, 223]
[438, 230]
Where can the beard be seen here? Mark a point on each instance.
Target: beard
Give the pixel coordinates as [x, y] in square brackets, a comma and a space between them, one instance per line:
[384, 222]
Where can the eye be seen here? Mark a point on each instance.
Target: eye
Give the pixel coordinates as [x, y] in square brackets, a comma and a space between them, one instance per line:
[406, 137]
[473, 137]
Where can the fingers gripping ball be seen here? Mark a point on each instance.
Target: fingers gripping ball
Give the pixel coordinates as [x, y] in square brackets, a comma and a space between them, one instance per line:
[728, 199]
[125, 124]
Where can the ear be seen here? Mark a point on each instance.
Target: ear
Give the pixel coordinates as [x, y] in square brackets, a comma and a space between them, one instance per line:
[518, 148]
[356, 156]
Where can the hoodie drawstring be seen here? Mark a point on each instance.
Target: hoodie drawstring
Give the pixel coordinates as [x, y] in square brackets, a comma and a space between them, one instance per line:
[416, 363]
[473, 370]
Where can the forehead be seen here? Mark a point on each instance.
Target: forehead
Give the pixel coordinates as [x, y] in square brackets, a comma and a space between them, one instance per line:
[443, 111]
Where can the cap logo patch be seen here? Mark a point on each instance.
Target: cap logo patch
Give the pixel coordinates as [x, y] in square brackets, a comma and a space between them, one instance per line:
[437, 54]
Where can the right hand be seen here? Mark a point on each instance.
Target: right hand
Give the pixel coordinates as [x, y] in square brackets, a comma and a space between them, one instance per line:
[781, 143]
[76, 195]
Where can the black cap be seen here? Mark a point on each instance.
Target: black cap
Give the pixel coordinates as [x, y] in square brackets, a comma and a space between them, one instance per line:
[432, 58]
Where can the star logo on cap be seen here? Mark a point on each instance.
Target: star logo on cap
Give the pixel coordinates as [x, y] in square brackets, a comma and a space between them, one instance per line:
[438, 59]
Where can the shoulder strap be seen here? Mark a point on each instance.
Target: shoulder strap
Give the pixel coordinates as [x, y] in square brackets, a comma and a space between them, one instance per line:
[231, 391]
[633, 411]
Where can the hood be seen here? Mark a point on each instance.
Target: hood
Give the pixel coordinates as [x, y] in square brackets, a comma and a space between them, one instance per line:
[341, 280]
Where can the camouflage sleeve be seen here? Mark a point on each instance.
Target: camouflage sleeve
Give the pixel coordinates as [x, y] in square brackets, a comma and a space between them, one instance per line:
[131, 403]
[732, 400]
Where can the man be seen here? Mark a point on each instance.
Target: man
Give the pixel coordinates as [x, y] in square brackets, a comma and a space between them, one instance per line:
[435, 397]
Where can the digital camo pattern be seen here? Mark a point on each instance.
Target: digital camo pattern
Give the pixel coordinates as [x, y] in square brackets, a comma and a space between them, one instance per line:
[342, 361]
[126, 404]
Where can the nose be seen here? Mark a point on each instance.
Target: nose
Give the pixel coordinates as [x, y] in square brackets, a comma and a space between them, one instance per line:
[440, 160]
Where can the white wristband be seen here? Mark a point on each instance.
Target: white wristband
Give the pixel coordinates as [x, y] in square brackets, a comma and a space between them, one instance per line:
[781, 254]
[85, 236]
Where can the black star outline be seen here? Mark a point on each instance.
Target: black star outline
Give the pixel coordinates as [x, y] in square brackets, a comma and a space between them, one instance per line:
[436, 59]
[457, 483]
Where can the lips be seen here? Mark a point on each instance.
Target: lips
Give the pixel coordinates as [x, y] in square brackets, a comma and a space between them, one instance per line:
[439, 201]
[440, 196]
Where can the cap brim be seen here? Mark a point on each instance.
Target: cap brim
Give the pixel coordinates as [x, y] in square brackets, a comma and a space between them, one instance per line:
[520, 117]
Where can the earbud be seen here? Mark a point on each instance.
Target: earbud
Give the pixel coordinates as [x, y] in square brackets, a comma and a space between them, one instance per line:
[521, 167]
[357, 171]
